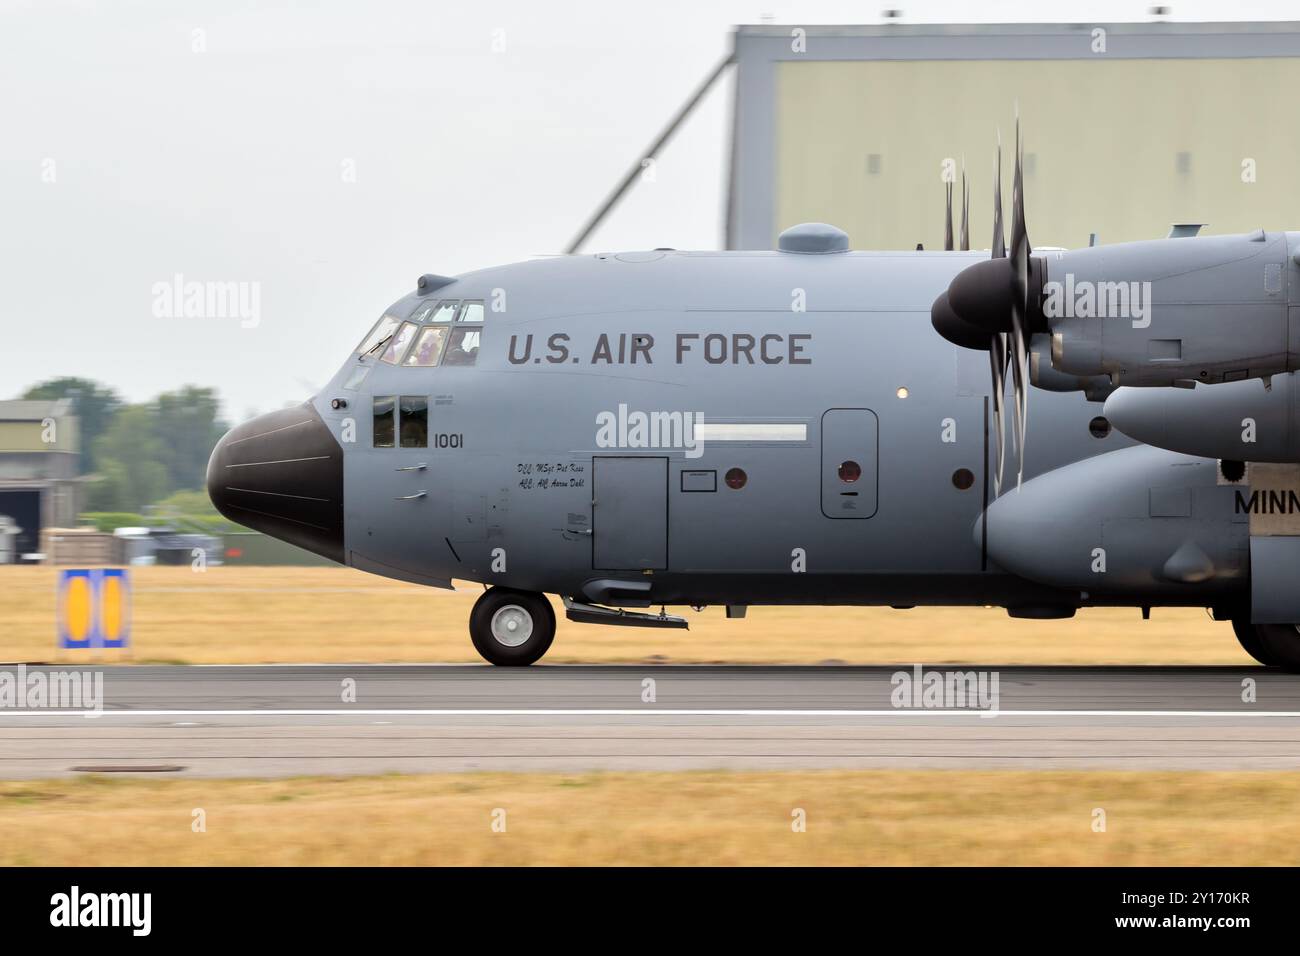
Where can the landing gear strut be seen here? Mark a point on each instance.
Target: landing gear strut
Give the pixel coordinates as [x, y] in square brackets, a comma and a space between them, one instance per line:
[1273, 645]
[511, 628]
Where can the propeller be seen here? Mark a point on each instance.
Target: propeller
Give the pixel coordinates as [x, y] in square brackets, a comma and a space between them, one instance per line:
[947, 226]
[989, 306]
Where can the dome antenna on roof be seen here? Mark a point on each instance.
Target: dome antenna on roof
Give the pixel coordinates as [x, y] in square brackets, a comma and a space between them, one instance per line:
[431, 283]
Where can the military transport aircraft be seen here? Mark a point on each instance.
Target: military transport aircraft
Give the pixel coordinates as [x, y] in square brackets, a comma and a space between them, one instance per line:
[812, 425]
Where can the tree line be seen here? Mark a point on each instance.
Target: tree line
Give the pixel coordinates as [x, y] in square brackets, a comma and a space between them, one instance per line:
[141, 453]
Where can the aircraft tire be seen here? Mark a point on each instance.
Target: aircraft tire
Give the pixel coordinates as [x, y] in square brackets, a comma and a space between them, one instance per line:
[1252, 643]
[512, 628]
[1281, 645]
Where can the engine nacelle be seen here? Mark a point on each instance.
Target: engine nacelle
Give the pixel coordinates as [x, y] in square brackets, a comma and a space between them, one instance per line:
[1209, 309]
[1139, 521]
[1238, 421]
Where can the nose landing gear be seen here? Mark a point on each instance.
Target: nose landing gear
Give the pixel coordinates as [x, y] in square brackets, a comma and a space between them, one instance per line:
[511, 628]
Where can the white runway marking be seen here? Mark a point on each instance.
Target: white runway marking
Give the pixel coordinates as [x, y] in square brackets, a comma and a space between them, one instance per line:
[253, 721]
[627, 712]
[362, 666]
[214, 589]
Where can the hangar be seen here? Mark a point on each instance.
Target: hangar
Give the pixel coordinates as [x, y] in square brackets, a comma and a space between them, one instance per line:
[1129, 128]
[40, 464]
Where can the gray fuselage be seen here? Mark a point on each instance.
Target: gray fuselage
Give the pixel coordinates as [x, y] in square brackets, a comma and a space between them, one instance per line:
[520, 486]
[722, 428]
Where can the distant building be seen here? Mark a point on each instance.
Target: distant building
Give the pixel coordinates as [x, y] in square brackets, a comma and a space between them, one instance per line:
[40, 469]
[1128, 129]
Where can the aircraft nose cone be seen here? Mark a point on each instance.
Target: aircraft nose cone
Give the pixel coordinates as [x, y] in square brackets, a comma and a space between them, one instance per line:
[282, 474]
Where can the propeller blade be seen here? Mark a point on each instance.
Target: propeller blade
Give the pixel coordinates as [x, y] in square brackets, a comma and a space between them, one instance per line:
[998, 368]
[964, 237]
[1019, 305]
[1020, 386]
[947, 228]
[998, 349]
[1019, 233]
[999, 235]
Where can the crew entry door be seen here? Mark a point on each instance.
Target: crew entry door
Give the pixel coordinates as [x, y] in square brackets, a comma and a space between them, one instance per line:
[629, 513]
[849, 463]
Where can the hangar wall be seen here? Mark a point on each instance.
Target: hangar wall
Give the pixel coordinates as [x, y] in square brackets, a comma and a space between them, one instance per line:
[1172, 123]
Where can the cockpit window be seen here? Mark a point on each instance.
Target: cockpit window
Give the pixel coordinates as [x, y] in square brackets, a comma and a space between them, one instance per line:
[428, 347]
[383, 410]
[422, 311]
[446, 310]
[380, 334]
[462, 349]
[357, 377]
[397, 343]
[415, 421]
[471, 310]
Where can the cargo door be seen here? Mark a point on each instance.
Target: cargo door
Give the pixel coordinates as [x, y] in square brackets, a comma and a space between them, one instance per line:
[629, 513]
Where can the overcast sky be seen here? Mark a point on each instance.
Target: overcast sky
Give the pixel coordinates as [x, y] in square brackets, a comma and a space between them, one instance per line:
[328, 153]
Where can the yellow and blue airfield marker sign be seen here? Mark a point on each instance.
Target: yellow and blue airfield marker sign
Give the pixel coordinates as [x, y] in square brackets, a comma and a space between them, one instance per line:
[94, 608]
[114, 607]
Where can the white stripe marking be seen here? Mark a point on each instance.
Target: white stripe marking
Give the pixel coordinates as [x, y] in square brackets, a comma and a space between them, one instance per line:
[751, 431]
[628, 712]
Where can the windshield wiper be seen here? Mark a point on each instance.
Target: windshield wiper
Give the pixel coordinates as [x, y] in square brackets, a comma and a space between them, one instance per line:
[381, 343]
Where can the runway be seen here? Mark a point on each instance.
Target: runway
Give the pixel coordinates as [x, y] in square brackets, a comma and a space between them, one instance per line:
[361, 719]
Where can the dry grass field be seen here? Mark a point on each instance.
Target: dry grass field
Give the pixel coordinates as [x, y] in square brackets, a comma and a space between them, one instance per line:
[853, 818]
[275, 615]
[251, 615]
